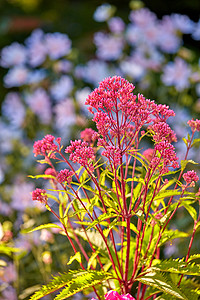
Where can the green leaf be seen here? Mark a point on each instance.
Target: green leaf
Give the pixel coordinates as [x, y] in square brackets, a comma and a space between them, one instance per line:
[72, 282]
[77, 257]
[44, 226]
[8, 250]
[185, 162]
[195, 141]
[193, 257]
[185, 141]
[161, 282]
[42, 176]
[192, 211]
[177, 266]
[100, 219]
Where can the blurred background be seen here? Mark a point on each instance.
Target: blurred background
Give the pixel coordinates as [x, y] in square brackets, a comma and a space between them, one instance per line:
[53, 53]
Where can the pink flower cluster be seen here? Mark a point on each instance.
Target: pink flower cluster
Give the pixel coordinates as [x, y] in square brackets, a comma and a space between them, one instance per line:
[46, 146]
[168, 156]
[65, 175]
[40, 195]
[194, 124]
[113, 295]
[89, 135]
[162, 131]
[81, 153]
[191, 177]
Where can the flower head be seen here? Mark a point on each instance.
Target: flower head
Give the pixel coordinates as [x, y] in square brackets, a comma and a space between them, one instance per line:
[46, 146]
[40, 195]
[81, 153]
[191, 177]
[89, 135]
[194, 124]
[65, 176]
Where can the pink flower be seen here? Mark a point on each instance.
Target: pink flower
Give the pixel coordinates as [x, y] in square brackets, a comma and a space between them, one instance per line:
[191, 177]
[89, 135]
[195, 125]
[113, 154]
[113, 295]
[162, 130]
[40, 195]
[65, 175]
[81, 153]
[167, 157]
[148, 154]
[46, 146]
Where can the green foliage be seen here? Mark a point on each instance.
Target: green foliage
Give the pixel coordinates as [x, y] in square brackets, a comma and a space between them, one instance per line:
[72, 282]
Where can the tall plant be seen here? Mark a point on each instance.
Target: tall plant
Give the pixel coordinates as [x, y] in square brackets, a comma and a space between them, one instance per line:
[121, 200]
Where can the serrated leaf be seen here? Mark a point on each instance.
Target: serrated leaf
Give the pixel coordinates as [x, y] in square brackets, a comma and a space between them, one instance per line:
[72, 282]
[100, 219]
[159, 281]
[177, 266]
[44, 226]
[77, 257]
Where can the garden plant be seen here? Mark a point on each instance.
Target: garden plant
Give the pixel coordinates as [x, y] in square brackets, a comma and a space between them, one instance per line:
[130, 205]
[121, 200]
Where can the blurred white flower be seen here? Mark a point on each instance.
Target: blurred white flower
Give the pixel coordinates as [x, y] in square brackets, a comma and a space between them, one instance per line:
[103, 12]
[81, 96]
[13, 55]
[133, 69]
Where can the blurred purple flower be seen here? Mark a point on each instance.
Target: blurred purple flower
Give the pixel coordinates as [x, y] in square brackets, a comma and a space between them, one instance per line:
[21, 195]
[9, 293]
[36, 48]
[94, 71]
[196, 32]
[57, 44]
[13, 109]
[116, 25]
[64, 115]
[40, 104]
[109, 47]
[177, 74]
[62, 88]
[182, 23]
[13, 55]
[168, 39]
[17, 76]
[36, 76]
[8, 273]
